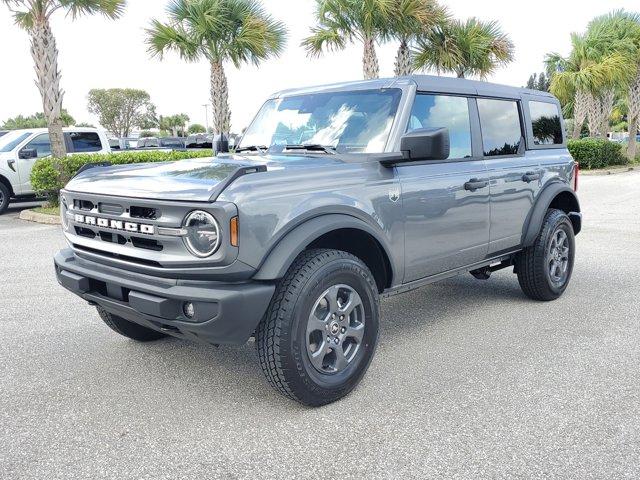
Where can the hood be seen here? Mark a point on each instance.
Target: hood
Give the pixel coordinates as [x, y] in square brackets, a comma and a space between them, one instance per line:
[195, 180]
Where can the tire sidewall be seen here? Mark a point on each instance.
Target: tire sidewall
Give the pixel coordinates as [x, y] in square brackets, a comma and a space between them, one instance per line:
[4, 198]
[560, 222]
[339, 271]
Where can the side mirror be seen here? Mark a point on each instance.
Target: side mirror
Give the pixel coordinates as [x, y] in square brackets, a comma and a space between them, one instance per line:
[425, 144]
[28, 153]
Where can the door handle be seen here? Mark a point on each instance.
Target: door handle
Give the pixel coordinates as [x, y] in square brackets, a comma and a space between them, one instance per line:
[475, 183]
[530, 177]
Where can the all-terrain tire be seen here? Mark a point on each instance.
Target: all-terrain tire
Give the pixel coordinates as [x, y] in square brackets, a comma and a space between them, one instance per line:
[129, 329]
[5, 194]
[533, 264]
[282, 336]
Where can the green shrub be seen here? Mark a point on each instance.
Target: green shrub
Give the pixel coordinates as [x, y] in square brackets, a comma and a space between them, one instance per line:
[596, 153]
[49, 175]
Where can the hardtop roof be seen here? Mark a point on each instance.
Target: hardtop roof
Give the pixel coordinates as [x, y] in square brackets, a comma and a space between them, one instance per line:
[426, 83]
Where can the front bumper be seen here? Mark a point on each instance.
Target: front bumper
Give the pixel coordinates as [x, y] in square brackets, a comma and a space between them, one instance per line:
[225, 313]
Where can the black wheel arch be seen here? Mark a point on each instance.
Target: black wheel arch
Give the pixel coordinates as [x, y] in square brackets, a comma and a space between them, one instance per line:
[555, 195]
[335, 231]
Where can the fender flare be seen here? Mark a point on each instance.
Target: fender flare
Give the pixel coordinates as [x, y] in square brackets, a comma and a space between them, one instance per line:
[282, 255]
[536, 217]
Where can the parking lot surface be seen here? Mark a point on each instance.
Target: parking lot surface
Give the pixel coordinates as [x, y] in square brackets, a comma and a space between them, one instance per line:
[471, 379]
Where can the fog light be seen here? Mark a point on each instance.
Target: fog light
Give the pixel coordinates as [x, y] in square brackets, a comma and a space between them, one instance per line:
[188, 309]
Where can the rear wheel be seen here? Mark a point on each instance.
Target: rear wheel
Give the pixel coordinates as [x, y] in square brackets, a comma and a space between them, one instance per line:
[129, 329]
[321, 328]
[5, 194]
[545, 268]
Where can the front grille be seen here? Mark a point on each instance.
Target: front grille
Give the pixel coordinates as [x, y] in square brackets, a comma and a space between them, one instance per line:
[146, 213]
[110, 208]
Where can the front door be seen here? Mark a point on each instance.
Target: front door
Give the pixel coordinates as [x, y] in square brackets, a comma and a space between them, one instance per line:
[42, 146]
[445, 203]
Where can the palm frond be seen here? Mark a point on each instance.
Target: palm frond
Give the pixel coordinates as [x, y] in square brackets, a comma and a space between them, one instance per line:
[109, 8]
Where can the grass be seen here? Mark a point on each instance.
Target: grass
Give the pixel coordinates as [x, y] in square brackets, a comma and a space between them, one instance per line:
[47, 210]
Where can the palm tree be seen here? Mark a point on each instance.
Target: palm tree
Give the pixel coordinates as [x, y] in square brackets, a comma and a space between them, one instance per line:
[410, 19]
[588, 78]
[34, 16]
[344, 21]
[471, 48]
[239, 31]
[621, 32]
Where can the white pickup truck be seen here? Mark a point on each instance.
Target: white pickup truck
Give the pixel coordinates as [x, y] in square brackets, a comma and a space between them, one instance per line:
[19, 149]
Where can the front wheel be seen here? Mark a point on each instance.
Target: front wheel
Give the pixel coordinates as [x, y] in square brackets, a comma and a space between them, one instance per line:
[4, 198]
[545, 268]
[321, 328]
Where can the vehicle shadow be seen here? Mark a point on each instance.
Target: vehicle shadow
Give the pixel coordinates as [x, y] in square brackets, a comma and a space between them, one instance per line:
[235, 370]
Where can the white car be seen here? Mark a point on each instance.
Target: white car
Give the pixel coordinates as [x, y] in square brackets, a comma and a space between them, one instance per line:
[19, 149]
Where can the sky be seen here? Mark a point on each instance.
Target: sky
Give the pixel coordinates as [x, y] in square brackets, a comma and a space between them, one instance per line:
[100, 53]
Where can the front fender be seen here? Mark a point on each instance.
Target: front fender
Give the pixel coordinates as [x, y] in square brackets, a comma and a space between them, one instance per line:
[280, 258]
[545, 199]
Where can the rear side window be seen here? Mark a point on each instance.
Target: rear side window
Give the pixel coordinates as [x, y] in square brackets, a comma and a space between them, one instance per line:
[501, 128]
[85, 141]
[438, 111]
[545, 121]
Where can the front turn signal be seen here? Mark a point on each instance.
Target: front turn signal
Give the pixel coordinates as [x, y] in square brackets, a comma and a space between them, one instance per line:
[233, 228]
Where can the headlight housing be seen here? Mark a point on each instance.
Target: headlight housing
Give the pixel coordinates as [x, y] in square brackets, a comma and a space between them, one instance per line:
[63, 214]
[202, 233]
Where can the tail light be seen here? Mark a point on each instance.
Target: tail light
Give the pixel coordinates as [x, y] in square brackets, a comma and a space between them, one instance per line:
[576, 174]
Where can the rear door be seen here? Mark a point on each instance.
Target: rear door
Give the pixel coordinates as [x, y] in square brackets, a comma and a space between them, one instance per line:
[446, 217]
[514, 175]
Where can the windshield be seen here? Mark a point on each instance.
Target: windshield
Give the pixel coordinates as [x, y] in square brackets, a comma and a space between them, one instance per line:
[348, 122]
[11, 140]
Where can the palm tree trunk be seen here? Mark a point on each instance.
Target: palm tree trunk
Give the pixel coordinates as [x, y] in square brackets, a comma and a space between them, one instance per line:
[403, 64]
[45, 59]
[580, 106]
[633, 116]
[606, 107]
[220, 99]
[370, 65]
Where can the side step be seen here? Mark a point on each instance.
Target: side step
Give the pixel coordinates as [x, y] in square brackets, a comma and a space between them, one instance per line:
[484, 273]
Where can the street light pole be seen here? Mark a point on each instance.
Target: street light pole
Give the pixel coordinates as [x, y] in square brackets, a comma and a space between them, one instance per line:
[206, 116]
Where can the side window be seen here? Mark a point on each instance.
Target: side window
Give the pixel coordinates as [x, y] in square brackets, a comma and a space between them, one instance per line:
[545, 121]
[437, 111]
[500, 124]
[41, 144]
[85, 141]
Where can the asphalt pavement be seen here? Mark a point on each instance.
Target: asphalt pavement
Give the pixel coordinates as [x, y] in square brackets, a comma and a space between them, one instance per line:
[471, 379]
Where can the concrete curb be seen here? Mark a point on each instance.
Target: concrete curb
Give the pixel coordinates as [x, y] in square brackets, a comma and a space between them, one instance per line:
[610, 171]
[31, 216]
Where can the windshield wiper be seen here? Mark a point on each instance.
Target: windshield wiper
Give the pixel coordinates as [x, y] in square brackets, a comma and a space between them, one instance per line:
[312, 147]
[253, 148]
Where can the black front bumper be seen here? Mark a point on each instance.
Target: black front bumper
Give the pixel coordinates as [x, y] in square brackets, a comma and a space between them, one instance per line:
[224, 313]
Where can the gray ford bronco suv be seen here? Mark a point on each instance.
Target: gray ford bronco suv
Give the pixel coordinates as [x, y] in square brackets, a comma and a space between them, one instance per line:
[334, 197]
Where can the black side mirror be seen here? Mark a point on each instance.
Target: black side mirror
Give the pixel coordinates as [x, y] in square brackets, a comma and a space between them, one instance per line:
[28, 153]
[425, 144]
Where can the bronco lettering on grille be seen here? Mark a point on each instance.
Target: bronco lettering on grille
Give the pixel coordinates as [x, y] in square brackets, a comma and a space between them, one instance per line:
[115, 224]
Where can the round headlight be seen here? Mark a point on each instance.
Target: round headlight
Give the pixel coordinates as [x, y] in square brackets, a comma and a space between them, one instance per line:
[203, 233]
[63, 214]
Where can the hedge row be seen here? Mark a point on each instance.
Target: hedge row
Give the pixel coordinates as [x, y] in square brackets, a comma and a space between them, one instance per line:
[49, 175]
[596, 153]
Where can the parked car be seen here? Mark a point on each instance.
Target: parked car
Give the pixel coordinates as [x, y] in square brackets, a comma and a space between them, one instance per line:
[336, 196]
[123, 143]
[19, 149]
[161, 142]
